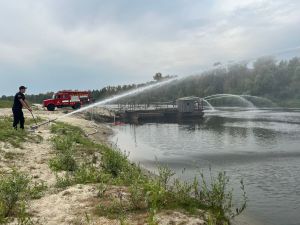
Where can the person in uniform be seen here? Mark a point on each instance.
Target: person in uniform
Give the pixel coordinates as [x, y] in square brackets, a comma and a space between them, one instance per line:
[19, 103]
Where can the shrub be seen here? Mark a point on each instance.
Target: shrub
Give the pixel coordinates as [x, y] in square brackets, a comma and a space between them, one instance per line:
[64, 181]
[137, 196]
[218, 198]
[63, 161]
[13, 187]
[164, 176]
[23, 217]
[63, 143]
[150, 193]
[114, 162]
[68, 141]
[89, 174]
[102, 188]
[37, 190]
[182, 192]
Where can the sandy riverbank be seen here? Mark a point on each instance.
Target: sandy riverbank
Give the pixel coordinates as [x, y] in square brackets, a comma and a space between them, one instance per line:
[69, 206]
[64, 207]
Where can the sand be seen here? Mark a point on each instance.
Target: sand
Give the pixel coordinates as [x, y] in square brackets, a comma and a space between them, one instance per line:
[74, 205]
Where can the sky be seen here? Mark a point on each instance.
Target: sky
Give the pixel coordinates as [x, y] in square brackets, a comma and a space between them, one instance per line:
[49, 45]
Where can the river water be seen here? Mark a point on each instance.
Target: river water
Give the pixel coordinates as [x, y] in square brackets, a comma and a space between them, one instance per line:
[261, 146]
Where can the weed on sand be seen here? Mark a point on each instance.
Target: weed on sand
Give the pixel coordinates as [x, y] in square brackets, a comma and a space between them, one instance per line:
[143, 193]
[16, 137]
[15, 191]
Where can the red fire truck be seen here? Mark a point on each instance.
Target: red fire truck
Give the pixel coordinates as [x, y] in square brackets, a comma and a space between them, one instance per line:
[68, 98]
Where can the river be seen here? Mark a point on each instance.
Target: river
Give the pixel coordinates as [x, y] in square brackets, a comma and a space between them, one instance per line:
[261, 146]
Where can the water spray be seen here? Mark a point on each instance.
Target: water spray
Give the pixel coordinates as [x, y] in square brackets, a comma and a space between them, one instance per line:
[258, 98]
[162, 83]
[105, 101]
[210, 105]
[219, 96]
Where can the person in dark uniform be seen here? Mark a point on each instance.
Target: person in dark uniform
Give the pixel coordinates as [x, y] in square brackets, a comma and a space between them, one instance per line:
[19, 103]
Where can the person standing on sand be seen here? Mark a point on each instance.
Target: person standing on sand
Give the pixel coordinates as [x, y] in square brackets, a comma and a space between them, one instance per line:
[19, 103]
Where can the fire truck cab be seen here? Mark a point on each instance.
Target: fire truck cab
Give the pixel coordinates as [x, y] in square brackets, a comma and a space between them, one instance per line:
[74, 99]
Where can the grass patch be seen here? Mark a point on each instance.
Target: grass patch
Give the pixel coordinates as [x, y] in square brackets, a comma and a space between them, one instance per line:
[16, 137]
[64, 181]
[15, 191]
[12, 155]
[63, 161]
[114, 162]
[70, 145]
[5, 104]
[76, 155]
[37, 190]
[90, 174]
[13, 188]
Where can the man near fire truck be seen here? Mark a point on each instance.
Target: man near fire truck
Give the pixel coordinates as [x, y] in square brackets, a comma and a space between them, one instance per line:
[19, 103]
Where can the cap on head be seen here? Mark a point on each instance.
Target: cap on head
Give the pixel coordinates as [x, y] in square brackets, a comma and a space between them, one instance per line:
[22, 88]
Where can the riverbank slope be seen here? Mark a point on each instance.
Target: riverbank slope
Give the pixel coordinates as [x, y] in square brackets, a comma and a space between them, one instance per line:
[84, 202]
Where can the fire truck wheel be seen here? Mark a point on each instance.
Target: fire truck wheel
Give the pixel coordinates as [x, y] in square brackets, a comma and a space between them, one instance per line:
[51, 107]
[77, 106]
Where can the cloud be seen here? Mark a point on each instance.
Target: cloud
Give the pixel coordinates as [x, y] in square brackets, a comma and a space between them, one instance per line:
[131, 40]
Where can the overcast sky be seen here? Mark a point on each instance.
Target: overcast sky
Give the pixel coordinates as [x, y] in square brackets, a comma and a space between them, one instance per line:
[49, 45]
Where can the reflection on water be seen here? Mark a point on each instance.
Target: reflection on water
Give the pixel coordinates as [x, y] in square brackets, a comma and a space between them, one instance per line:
[261, 146]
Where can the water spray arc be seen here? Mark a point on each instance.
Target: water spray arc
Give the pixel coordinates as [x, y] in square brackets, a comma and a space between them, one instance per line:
[206, 99]
[259, 98]
[210, 105]
[247, 99]
[117, 97]
[111, 99]
[219, 96]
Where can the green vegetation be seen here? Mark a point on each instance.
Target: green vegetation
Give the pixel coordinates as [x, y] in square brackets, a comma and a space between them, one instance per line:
[88, 162]
[69, 143]
[64, 159]
[16, 188]
[31, 98]
[16, 137]
[5, 104]
[277, 81]
[97, 94]
[37, 190]
[12, 155]
[13, 188]
[15, 191]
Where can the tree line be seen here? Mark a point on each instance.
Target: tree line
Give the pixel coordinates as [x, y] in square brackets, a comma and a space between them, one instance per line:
[33, 98]
[96, 94]
[278, 81]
